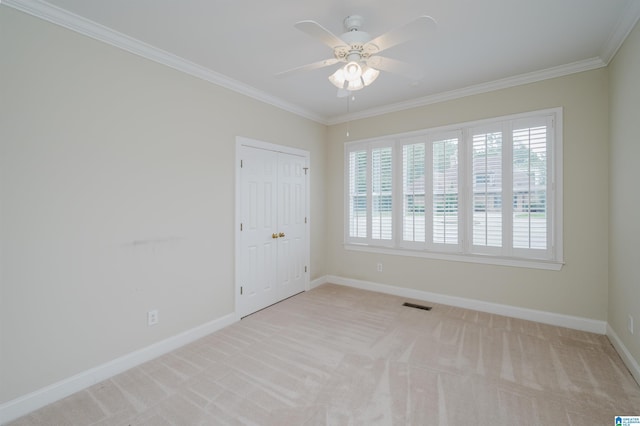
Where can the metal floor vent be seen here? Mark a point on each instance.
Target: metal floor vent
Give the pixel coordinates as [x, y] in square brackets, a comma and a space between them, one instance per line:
[413, 305]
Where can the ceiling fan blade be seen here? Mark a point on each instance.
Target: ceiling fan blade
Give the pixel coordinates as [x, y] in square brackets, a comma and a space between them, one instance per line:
[308, 67]
[319, 32]
[395, 66]
[419, 27]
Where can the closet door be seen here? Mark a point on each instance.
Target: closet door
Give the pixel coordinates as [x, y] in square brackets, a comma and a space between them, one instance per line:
[291, 224]
[258, 237]
[273, 236]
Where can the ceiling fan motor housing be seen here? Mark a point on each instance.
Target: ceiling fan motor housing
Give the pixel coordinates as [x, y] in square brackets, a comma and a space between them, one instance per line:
[357, 46]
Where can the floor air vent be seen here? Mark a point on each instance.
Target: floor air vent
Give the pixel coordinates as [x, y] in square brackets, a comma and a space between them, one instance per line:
[413, 305]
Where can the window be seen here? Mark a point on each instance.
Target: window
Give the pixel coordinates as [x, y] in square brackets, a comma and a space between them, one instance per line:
[486, 170]
[413, 192]
[358, 194]
[486, 191]
[381, 193]
[370, 180]
[444, 191]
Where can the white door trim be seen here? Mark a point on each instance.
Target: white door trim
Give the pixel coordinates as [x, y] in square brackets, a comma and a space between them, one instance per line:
[253, 143]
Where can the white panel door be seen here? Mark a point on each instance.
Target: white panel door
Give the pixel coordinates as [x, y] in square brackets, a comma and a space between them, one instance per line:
[259, 248]
[273, 236]
[291, 224]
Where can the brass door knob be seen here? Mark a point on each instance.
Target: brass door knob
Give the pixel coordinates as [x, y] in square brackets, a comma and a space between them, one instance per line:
[274, 235]
[281, 235]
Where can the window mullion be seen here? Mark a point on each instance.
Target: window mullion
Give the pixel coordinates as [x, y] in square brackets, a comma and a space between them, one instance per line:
[369, 195]
[461, 191]
[397, 195]
[465, 192]
[347, 196]
[507, 189]
[428, 196]
[556, 171]
[551, 186]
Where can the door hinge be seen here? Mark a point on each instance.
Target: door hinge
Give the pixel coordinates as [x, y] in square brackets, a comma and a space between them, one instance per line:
[240, 290]
[241, 226]
[305, 220]
[305, 268]
[240, 163]
[305, 170]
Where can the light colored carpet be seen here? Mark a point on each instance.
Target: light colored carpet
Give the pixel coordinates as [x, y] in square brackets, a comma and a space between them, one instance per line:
[342, 356]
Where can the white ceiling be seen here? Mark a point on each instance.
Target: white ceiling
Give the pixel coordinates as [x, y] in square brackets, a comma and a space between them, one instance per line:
[241, 44]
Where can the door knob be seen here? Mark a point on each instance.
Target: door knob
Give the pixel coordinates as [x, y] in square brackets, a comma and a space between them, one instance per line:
[274, 235]
[281, 235]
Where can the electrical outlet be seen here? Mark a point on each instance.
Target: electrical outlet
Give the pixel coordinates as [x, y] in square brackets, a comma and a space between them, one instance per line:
[630, 324]
[152, 317]
[379, 267]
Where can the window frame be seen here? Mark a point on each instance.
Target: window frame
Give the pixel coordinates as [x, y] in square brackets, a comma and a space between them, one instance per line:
[432, 139]
[402, 243]
[550, 258]
[369, 146]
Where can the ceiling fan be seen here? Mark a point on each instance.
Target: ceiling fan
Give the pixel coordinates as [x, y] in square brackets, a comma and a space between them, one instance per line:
[360, 52]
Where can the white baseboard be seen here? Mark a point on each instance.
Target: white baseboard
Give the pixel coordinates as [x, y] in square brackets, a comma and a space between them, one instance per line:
[25, 404]
[577, 323]
[624, 353]
[318, 281]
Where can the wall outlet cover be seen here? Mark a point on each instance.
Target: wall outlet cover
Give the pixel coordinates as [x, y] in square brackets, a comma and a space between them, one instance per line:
[152, 317]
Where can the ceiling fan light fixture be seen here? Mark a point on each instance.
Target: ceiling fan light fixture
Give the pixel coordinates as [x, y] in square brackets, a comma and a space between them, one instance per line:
[358, 51]
[338, 79]
[355, 85]
[352, 71]
[369, 75]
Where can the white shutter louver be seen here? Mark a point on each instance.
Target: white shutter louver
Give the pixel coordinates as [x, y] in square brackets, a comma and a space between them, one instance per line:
[381, 193]
[413, 192]
[486, 180]
[358, 194]
[530, 187]
[445, 191]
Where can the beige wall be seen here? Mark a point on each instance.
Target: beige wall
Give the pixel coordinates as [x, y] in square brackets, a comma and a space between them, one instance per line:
[117, 195]
[624, 194]
[580, 288]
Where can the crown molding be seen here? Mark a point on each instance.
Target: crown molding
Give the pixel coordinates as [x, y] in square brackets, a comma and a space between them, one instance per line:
[48, 12]
[59, 16]
[624, 26]
[518, 80]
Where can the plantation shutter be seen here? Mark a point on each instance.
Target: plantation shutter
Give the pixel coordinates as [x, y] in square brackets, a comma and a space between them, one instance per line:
[486, 181]
[530, 164]
[413, 192]
[381, 193]
[491, 188]
[358, 194]
[445, 191]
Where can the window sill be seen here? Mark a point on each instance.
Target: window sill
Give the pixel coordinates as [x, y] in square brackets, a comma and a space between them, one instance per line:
[456, 257]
